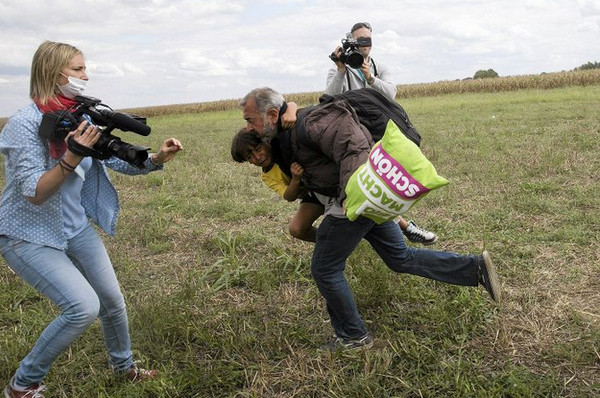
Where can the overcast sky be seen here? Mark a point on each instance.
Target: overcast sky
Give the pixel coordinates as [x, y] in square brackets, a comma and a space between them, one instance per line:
[161, 52]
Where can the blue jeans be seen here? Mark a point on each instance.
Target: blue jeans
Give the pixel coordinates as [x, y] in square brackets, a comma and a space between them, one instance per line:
[336, 240]
[81, 281]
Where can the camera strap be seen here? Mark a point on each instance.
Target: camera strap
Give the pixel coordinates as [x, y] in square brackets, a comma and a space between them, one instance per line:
[348, 79]
[374, 67]
[375, 74]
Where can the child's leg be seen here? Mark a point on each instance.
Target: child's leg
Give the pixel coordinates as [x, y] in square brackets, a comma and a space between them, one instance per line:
[301, 226]
[414, 233]
[402, 223]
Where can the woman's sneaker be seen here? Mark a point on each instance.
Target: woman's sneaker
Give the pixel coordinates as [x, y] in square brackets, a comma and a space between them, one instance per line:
[416, 234]
[341, 344]
[33, 391]
[136, 374]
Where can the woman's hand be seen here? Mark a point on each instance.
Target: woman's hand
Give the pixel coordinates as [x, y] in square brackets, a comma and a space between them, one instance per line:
[85, 134]
[52, 180]
[167, 151]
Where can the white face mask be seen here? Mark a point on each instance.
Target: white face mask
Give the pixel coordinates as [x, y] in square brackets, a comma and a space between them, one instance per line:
[73, 88]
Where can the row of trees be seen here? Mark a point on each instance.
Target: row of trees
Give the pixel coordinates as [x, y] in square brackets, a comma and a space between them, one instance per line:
[484, 74]
[589, 65]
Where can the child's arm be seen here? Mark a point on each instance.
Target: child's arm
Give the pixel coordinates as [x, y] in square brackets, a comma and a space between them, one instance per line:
[288, 119]
[293, 190]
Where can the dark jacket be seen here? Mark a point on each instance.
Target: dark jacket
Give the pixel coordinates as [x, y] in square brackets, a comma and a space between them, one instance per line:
[329, 143]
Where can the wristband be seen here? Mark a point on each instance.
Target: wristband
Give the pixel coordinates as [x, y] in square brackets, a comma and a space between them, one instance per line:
[64, 166]
[67, 164]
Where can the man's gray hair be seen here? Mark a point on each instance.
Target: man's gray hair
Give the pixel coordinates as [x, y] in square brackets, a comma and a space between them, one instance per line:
[265, 98]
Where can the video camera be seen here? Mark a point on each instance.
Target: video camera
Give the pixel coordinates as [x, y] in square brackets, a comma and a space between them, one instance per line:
[56, 126]
[351, 55]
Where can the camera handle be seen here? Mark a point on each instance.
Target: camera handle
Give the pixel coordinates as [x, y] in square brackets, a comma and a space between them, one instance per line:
[84, 151]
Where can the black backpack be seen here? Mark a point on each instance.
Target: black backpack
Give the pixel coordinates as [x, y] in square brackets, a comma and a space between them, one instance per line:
[374, 111]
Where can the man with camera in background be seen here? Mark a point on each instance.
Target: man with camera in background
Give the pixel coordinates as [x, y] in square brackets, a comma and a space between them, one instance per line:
[369, 74]
[356, 69]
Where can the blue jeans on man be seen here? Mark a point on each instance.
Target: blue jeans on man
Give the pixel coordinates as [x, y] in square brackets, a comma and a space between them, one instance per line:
[81, 281]
[337, 237]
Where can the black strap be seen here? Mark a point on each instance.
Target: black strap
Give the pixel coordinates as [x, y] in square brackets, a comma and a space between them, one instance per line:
[280, 152]
[82, 150]
[348, 78]
[282, 110]
[375, 74]
[364, 100]
[398, 117]
[301, 134]
[302, 138]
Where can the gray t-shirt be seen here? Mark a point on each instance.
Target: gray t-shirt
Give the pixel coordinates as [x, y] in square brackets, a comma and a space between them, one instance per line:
[333, 207]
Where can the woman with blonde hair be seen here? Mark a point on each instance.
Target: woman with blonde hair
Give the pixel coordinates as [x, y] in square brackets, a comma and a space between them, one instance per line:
[45, 235]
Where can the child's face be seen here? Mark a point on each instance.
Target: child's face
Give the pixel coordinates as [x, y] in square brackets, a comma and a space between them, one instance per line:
[260, 155]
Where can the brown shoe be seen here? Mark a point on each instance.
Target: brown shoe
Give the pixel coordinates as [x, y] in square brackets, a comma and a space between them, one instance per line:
[136, 374]
[33, 391]
[488, 277]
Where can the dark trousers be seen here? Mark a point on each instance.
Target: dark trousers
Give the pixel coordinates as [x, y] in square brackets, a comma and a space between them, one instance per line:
[336, 240]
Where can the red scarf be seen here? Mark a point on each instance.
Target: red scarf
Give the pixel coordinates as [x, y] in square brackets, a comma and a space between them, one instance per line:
[59, 103]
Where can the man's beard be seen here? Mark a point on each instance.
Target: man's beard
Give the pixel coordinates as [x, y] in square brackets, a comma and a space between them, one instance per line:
[270, 130]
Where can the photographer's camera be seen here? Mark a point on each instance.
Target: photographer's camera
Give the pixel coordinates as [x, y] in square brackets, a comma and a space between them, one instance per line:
[350, 53]
[57, 125]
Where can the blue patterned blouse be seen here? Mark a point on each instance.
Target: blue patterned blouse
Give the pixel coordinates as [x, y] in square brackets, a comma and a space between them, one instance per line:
[27, 158]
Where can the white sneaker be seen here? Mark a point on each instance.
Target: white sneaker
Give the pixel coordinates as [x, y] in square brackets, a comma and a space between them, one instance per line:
[419, 235]
[34, 391]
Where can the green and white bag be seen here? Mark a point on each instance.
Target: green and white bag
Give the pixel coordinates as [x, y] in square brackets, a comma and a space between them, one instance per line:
[396, 176]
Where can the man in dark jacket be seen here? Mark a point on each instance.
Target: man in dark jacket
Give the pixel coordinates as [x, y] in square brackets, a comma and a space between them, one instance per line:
[330, 144]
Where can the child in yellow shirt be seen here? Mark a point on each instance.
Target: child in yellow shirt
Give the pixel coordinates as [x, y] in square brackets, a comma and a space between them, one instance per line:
[247, 146]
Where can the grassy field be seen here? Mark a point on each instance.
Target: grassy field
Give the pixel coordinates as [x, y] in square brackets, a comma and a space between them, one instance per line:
[221, 299]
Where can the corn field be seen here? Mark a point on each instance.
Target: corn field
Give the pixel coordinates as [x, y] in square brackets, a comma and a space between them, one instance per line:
[498, 84]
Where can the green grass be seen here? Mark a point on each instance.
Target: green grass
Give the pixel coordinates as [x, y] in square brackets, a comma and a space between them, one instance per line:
[221, 299]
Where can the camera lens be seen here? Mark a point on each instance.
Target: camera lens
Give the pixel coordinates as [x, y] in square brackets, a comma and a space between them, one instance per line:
[355, 60]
